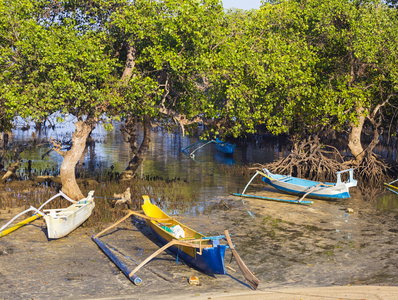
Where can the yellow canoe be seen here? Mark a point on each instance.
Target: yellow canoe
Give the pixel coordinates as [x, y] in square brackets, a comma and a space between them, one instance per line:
[209, 259]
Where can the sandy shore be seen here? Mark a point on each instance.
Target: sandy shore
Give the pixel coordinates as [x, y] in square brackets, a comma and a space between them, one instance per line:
[311, 293]
[297, 252]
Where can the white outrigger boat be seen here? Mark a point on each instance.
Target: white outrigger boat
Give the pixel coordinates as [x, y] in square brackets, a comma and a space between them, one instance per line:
[60, 222]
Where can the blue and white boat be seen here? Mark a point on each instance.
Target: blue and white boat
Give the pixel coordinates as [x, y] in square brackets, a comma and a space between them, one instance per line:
[313, 189]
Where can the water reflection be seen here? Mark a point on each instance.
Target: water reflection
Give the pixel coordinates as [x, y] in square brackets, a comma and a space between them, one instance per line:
[223, 158]
[108, 152]
[387, 202]
[166, 159]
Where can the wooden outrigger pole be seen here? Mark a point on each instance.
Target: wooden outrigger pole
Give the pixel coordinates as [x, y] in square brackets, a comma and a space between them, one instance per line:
[185, 149]
[250, 278]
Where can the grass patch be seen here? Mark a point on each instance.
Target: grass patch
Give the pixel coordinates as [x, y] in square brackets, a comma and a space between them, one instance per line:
[172, 194]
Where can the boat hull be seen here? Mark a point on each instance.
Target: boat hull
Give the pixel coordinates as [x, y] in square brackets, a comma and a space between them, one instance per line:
[301, 186]
[60, 222]
[223, 147]
[206, 254]
[211, 261]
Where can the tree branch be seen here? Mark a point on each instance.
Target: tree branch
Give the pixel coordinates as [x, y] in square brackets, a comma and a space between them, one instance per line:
[57, 147]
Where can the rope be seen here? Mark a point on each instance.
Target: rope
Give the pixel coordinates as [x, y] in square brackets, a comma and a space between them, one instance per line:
[108, 198]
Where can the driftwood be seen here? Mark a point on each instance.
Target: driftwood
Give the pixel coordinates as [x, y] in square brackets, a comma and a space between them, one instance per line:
[124, 197]
[18, 149]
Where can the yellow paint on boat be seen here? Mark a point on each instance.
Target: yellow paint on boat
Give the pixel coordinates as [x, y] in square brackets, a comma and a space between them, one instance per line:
[20, 224]
[153, 211]
[265, 175]
[393, 187]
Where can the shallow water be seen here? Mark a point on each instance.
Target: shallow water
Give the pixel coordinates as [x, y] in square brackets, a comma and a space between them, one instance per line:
[109, 153]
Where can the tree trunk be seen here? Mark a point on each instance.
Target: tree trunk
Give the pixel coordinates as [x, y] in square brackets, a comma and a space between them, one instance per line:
[375, 140]
[354, 138]
[71, 158]
[130, 63]
[15, 165]
[140, 155]
[2, 150]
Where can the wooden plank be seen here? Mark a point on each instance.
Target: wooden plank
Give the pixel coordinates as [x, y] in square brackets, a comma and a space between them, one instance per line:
[251, 279]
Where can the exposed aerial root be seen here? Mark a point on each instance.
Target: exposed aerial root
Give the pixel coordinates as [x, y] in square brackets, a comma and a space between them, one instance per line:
[374, 171]
[309, 159]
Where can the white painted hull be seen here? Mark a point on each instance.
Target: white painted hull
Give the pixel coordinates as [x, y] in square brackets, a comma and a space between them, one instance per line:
[330, 192]
[315, 189]
[60, 222]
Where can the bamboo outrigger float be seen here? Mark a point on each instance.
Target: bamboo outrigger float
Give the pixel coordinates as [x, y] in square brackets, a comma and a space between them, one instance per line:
[274, 199]
[60, 222]
[126, 271]
[20, 224]
[391, 187]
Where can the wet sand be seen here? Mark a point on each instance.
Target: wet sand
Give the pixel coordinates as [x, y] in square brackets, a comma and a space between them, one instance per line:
[321, 249]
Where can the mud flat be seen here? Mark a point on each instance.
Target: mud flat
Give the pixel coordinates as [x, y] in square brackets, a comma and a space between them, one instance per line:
[288, 247]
